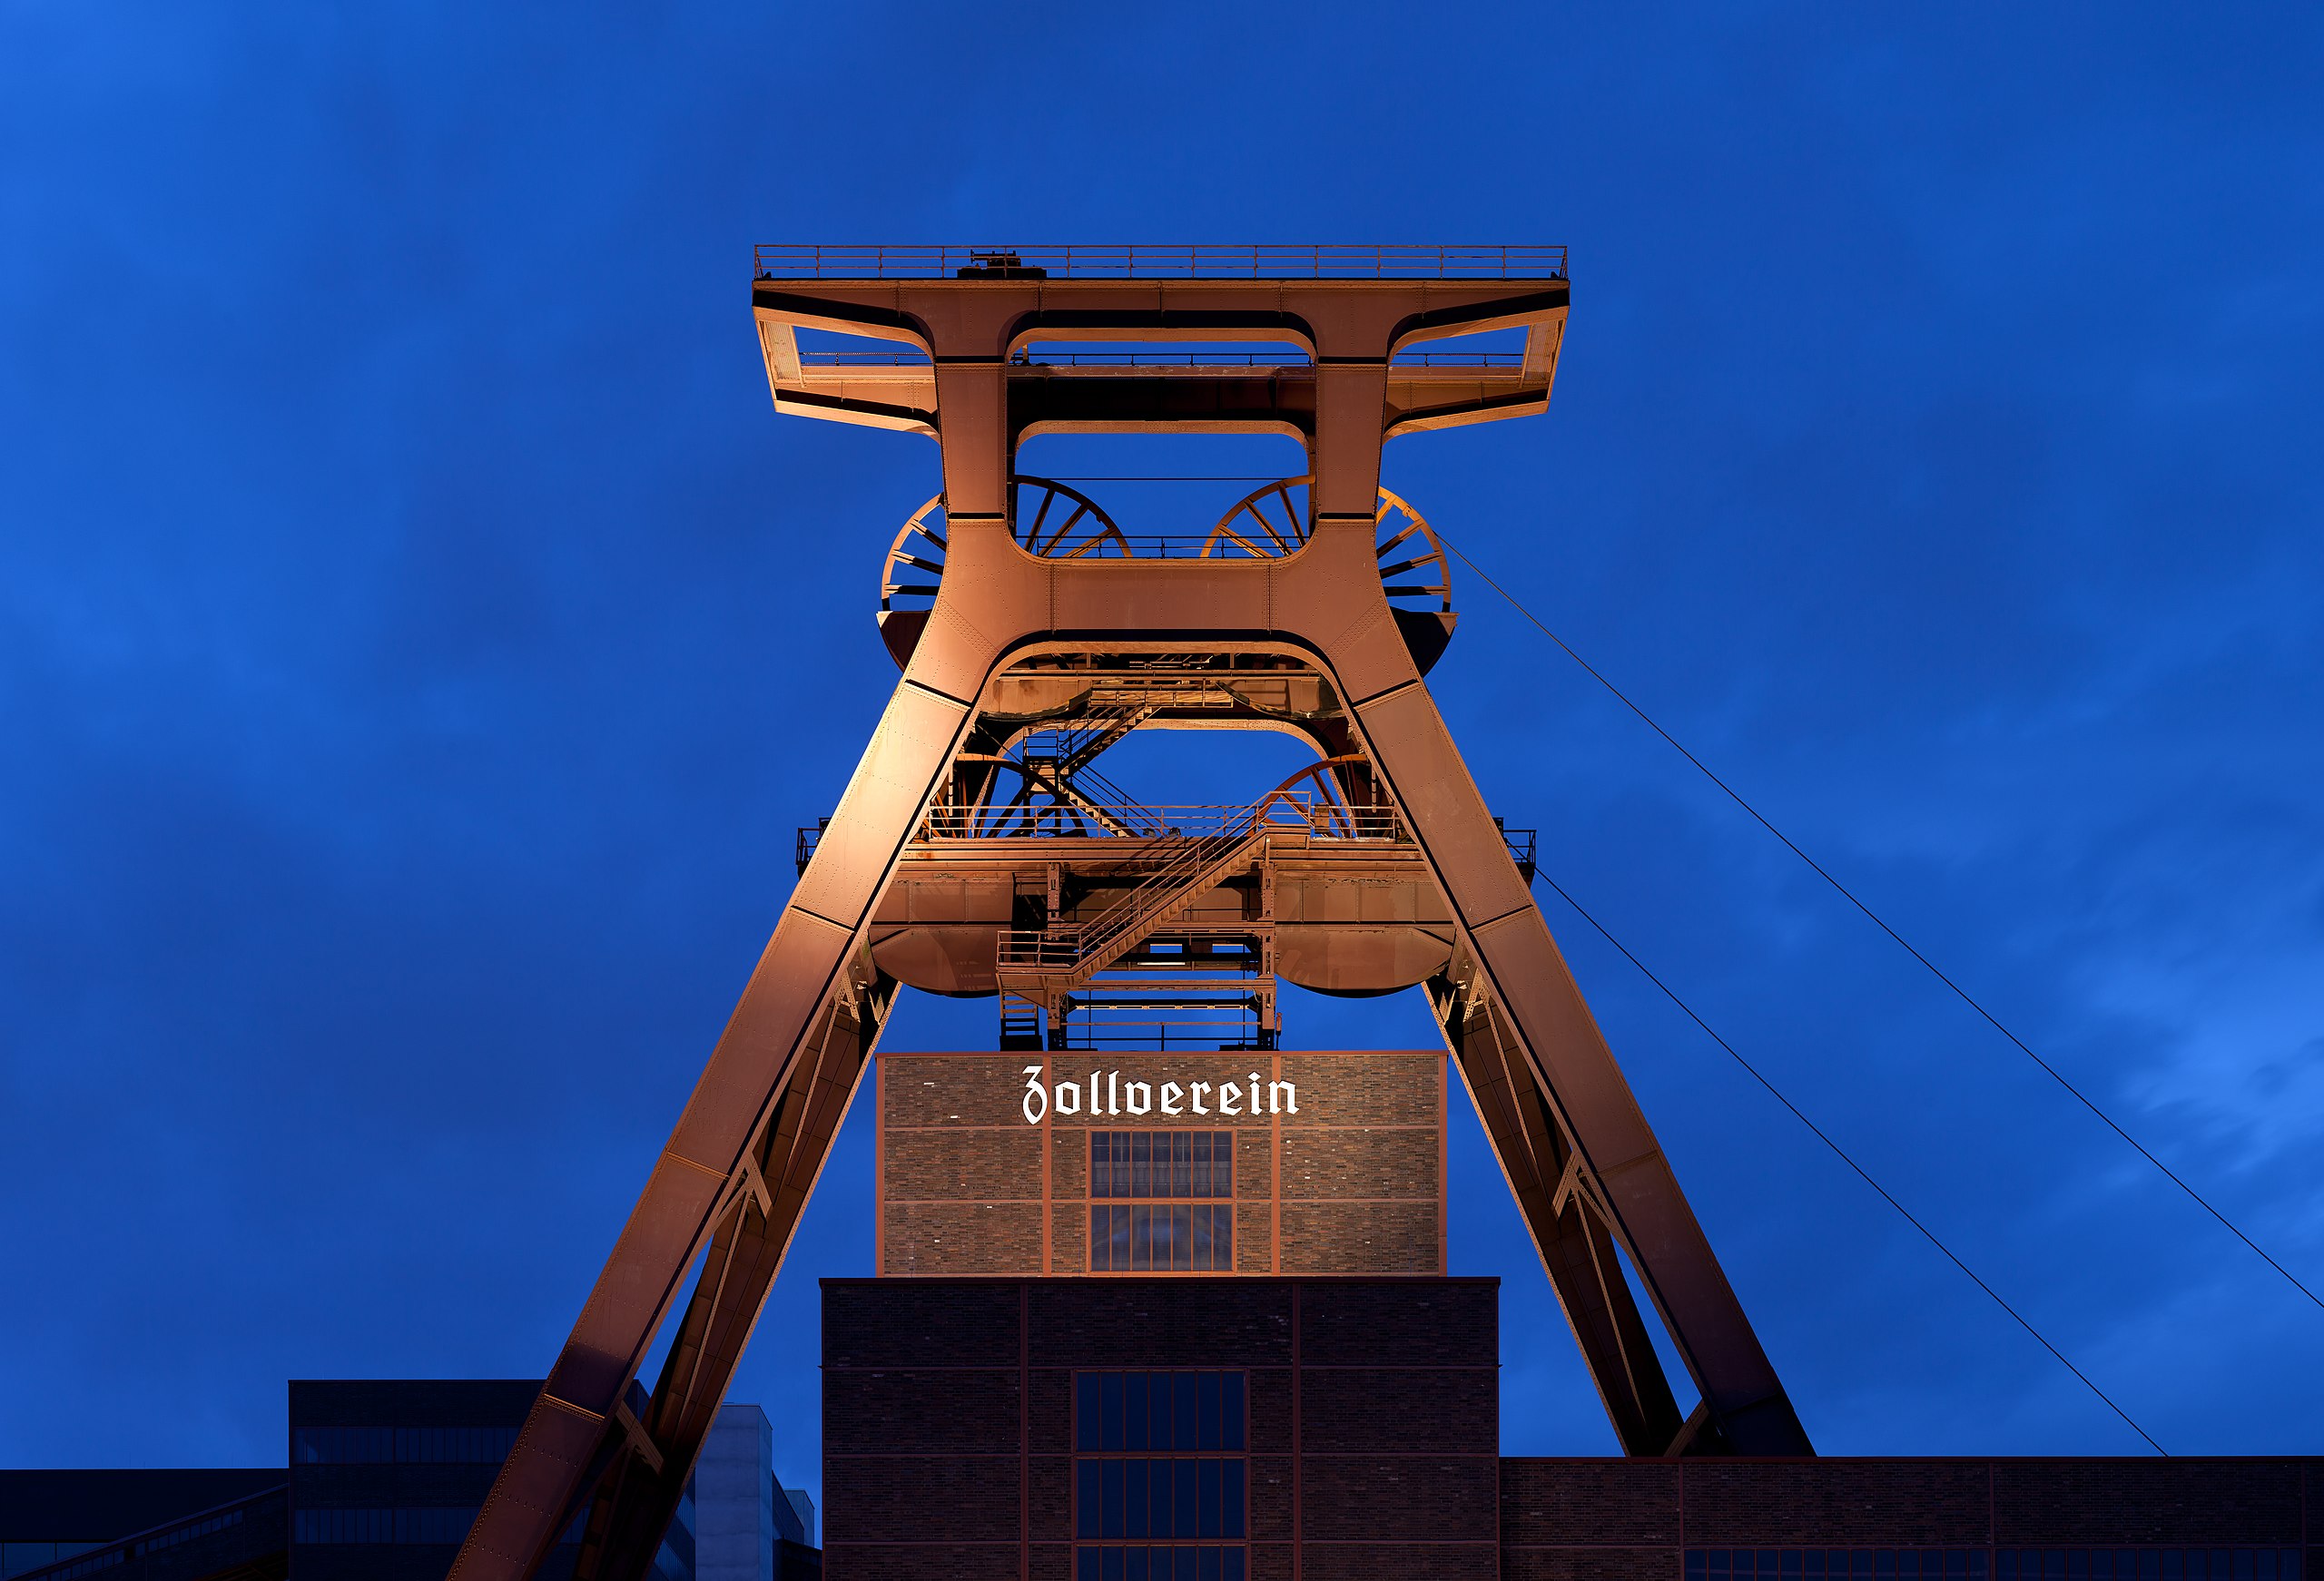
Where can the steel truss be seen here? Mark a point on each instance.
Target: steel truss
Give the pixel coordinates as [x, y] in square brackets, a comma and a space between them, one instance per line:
[1301, 632]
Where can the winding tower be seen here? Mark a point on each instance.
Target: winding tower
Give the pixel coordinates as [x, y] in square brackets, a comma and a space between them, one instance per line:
[979, 850]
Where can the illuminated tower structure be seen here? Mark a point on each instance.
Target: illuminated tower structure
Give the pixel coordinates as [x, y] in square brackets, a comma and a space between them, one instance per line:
[978, 849]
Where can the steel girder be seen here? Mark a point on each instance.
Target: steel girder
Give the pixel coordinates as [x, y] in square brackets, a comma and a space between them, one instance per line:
[728, 1187]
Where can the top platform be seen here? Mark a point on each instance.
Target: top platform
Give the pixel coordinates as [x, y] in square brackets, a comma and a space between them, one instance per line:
[1159, 260]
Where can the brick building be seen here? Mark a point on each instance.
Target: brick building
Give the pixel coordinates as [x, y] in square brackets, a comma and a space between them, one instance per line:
[1128, 1327]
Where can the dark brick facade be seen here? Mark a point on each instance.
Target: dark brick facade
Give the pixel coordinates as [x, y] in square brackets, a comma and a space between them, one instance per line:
[1614, 1520]
[1354, 1183]
[1373, 1387]
[948, 1419]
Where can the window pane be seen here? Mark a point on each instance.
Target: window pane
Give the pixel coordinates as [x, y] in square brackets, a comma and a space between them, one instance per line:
[1141, 1170]
[1206, 1563]
[1110, 1566]
[1185, 1524]
[1230, 1564]
[1230, 1411]
[1134, 1565]
[1110, 1480]
[1134, 1435]
[1230, 1499]
[1182, 1240]
[1182, 1386]
[1201, 1186]
[1141, 1245]
[1100, 1241]
[1134, 1499]
[1120, 1237]
[1086, 1409]
[1163, 1492]
[1182, 1153]
[1110, 1398]
[1159, 1412]
[1198, 1243]
[1208, 1485]
[1207, 1383]
[1183, 1562]
[1222, 1237]
[1101, 1165]
[1086, 1501]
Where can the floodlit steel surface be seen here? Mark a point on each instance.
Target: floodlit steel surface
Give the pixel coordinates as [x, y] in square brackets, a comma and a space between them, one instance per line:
[1012, 636]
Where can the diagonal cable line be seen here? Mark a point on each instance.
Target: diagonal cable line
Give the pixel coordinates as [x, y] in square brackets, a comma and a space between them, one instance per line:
[1841, 1155]
[1881, 923]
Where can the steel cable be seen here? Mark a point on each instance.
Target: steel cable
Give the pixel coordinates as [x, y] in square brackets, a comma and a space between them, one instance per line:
[1878, 921]
[1841, 1155]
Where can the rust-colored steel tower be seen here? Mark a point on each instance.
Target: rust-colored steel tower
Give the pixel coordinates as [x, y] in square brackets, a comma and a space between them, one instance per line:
[977, 848]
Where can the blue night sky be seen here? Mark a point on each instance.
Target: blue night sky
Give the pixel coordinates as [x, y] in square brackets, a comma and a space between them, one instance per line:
[420, 638]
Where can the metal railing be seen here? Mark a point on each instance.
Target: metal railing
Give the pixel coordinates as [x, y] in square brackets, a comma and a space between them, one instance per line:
[1515, 360]
[1298, 813]
[1159, 260]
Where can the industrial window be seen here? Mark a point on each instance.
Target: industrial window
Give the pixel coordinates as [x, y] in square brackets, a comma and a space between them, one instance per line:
[1151, 1164]
[426, 1525]
[2126, 1564]
[1175, 1562]
[1154, 1235]
[386, 1445]
[1153, 1493]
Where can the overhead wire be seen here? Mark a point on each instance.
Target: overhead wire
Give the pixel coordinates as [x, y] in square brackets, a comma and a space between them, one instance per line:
[1841, 1155]
[1878, 921]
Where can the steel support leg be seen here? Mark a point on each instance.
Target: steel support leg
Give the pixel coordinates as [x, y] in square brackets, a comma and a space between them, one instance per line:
[728, 1187]
[1554, 1100]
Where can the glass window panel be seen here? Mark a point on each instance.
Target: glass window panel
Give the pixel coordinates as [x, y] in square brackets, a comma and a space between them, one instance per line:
[1791, 1563]
[1183, 1408]
[1109, 1567]
[1101, 1165]
[2174, 1564]
[1109, 1398]
[1137, 1487]
[1182, 1154]
[2221, 1561]
[1183, 1564]
[1767, 1564]
[1158, 1415]
[1100, 1241]
[1206, 1387]
[2102, 1564]
[2243, 1565]
[1085, 1564]
[1184, 1501]
[1141, 1245]
[1230, 1565]
[2053, 1564]
[2266, 1561]
[1110, 1483]
[1201, 1187]
[1956, 1565]
[1134, 1565]
[1086, 1501]
[1230, 1499]
[2149, 1565]
[1207, 1485]
[1230, 1411]
[1120, 1235]
[1836, 1563]
[1207, 1564]
[1135, 1399]
[1141, 1166]
[1694, 1567]
[2077, 1565]
[2288, 1565]
[1182, 1240]
[1717, 1561]
[1198, 1245]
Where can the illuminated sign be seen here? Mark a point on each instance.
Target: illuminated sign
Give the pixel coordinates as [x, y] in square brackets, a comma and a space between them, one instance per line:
[1107, 1094]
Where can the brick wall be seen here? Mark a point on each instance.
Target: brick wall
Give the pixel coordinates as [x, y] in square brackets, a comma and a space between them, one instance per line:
[948, 1419]
[1628, 1520]
[1354, 1183]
